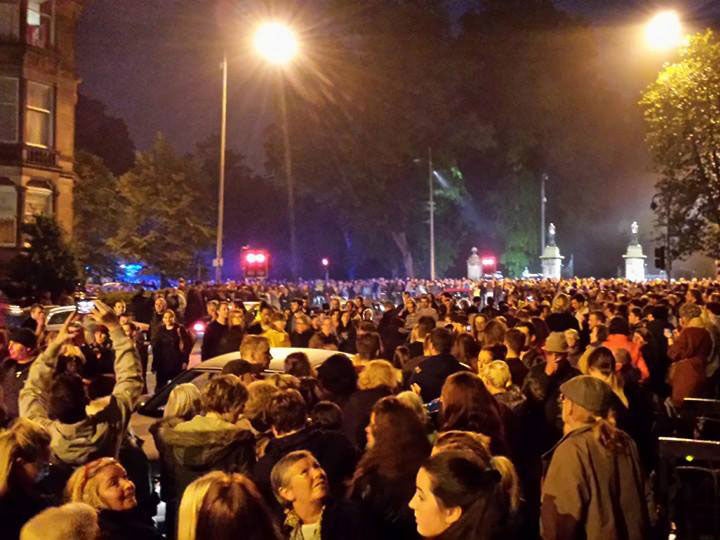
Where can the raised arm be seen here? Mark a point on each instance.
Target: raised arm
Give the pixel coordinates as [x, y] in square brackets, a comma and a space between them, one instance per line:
[33, 397]
[128, 371]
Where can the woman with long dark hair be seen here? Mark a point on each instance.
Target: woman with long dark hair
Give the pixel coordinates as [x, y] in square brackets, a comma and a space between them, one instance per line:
[467, 405]
[458, 497]
[384, 480]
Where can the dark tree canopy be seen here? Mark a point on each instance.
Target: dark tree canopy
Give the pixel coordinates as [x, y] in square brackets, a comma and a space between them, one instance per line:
[105, 136]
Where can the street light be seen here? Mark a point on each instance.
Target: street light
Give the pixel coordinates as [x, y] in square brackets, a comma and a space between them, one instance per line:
[277, 44]
[664, 31]
[326, 265]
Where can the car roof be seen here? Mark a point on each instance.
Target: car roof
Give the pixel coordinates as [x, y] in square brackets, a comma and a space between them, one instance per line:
[316, 357]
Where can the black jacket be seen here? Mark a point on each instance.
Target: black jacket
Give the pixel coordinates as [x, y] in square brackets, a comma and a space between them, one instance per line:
[543, 404]
[432, 372]
[16, 510]
[127, 525]
[384, 505]
[12, 380]
[559, 322]
[356, 414]
[214, 334]
[300, 339]
[341, 520]
[335, 453]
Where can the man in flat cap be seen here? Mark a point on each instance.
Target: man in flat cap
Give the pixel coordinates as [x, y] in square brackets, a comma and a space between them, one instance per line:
[594, 487]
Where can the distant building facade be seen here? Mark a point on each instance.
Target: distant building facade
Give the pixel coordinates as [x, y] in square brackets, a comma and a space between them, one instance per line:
[38, 93]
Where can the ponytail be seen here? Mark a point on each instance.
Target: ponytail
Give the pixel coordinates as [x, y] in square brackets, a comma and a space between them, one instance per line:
[509, 481]
[610, 437]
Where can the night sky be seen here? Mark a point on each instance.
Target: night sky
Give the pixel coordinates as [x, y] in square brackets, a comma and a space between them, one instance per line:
[138, 58]
[155, 64]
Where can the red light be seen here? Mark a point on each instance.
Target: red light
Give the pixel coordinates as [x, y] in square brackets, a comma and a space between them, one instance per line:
[259, 258]
[488, 261]
[250, 257]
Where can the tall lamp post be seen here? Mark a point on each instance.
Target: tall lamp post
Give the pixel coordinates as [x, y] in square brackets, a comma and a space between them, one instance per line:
[218, 262]
[278, 45]
[431, 190]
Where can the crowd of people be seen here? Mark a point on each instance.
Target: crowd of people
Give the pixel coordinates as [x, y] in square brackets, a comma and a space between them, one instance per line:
[449, 410]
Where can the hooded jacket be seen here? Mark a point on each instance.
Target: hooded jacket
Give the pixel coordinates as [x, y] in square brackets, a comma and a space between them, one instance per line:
[97, 435]
[188, 450]
[621, 341]
[689, 355]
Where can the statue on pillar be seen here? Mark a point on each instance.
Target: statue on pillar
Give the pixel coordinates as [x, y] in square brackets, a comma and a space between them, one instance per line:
[551, 235]
[474, 265]
[634, 230]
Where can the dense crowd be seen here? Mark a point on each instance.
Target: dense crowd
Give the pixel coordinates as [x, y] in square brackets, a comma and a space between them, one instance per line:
[448, 409]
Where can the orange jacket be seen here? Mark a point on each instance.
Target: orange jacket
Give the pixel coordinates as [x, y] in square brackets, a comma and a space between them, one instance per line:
[620, 341]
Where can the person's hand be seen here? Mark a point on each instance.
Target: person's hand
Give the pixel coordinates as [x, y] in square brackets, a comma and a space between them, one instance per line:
[68, 331]
[103, 314]
[415, 387]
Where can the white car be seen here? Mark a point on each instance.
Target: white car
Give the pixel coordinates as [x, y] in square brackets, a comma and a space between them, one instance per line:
[151, 409]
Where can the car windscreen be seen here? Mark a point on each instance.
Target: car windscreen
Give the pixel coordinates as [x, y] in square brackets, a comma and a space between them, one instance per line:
[155, 405]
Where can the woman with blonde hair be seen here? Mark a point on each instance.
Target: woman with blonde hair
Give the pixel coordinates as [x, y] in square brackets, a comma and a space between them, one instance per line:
[184, 403]
[498, 381]
[220, 506]
[72, 521]
[24, 458]
[377, 380]
[104, 485]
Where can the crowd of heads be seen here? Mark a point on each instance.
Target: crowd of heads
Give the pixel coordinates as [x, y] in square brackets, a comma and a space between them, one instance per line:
[426, 415]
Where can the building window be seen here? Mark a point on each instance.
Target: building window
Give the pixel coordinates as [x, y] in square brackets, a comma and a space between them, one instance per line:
[40, 23]
[39, 117]
[8, 214]
[9, 20]
[38, 200]
[9, 109]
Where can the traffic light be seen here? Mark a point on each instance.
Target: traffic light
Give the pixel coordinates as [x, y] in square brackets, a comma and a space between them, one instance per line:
[255, 263]
[660, 258]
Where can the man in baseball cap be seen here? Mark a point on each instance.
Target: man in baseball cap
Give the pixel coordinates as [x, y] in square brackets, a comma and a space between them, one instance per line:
[15, 368]
[594, 485]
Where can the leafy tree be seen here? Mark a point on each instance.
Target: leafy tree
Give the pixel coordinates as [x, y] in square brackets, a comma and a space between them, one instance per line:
[536, 80]
[682, 116]
[163, 222]
[97, 211]
[376, 95]
[98, 133]
[46, 263]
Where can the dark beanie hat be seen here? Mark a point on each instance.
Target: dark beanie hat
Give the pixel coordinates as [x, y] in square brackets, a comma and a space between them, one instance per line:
[337, 374]
[24, 336]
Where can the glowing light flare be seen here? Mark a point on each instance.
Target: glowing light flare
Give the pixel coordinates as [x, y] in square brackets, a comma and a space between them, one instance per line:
[199, 327]
[664, 31]
[325, 261]
[276, 43]
[488, 261]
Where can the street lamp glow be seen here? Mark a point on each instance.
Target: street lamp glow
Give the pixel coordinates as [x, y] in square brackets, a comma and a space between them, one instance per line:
[325, 261]
[276, 43]
[664, 31]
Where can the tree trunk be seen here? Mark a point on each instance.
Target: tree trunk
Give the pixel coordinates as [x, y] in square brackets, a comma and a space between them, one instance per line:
[400, 239]
[350, 256]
